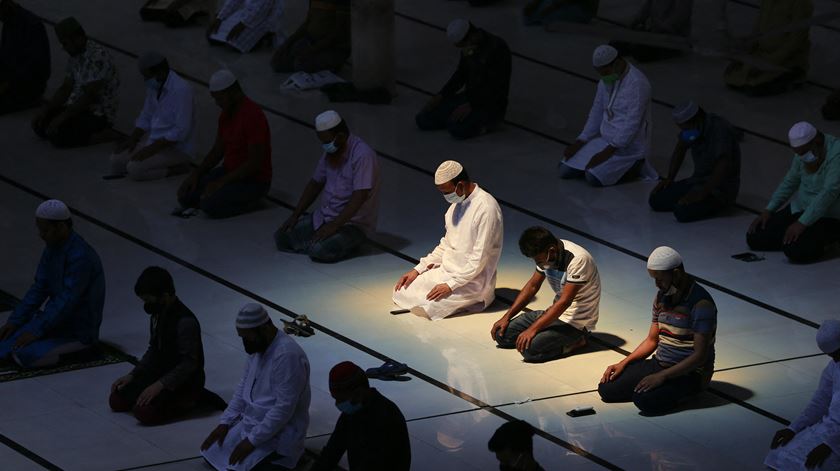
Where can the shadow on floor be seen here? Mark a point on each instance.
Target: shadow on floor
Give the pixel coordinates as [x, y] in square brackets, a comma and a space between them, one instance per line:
[709, 400]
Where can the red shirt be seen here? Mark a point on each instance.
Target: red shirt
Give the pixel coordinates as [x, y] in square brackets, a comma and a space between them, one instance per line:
[247, 126]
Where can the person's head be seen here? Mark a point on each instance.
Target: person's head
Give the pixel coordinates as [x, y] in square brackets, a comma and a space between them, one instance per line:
[828, 338]
[513, 444]
[689, 118]
[807, 142]
[71, 35]
[7, 9]
[154, 68]
[349, 387]
[156, 289]
[332, 131]
[225, 90]
[608, 63]
[452, 179]
[464, 35]
[52, 218]
[255, 328]
[665, 266]
[539, 244]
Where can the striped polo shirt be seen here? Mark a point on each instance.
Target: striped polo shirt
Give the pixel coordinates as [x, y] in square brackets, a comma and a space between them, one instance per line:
[679, 321]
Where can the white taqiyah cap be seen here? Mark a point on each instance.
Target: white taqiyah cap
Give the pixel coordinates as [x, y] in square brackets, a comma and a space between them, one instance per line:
[457, 30]
[801, 133]
[664, 258]
[828, 336]
[149, 60]
[685, 111]
[327, 120]
[447, 172]
[604, 55]
[221, 80]
[251, 315]
[52, 210]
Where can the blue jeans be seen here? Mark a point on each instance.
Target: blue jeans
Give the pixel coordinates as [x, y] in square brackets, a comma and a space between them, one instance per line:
[657, 401]
[232, 199]
[668, 200]
[40, 353]
[339, 246]
[549, 344]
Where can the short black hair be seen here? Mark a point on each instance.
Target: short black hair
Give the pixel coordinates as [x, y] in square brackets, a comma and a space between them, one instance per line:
[163, 66]
[154, 281]
[514, 436]
[461, 177]
[342, 127]
[536, 240]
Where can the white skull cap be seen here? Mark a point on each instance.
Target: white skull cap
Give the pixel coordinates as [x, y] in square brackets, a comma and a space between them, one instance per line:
[327, 120]
[457, 30]
[828, 336]
[663, 259]
[685, 112]
[801, 133]
[252, 315]
[447, 171]
[221, 80]
[604, 55]
[52, 210]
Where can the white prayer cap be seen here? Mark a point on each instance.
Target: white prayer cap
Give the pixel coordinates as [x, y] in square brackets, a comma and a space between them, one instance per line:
[801, 133]
[52, 210]
[149, 60]
[663, 259]
[828, 337]
[604, 55]
[685, 111]
[221, 80]
[327, 120]
[447, 171]
[251, 315]
[457, 30]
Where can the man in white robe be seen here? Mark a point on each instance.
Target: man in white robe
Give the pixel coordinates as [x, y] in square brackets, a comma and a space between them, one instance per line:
[615, 141]
[242, 24]
[459, 275]
[264, 425]
[813, 440]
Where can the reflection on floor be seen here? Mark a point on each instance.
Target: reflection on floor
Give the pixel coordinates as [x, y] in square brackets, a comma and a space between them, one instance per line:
[462, 388]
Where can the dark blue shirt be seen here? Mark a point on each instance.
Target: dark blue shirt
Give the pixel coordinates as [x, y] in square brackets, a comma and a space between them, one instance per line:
[71, 281]
[718, 140]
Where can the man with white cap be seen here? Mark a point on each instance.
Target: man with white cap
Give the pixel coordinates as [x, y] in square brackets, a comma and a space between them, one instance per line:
[812, 441]
[716, 153]
[69, 284]
[347, 178]
[459, 275]
[242, 146]
[475, 98]
[83, 108]
[811, 221]
[168, 122]
[615, 142]
[681, 339]
[321, 42]
[264, 426]
[242, 24]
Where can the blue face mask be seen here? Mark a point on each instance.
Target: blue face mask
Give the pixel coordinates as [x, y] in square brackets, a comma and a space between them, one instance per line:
[330, 147]
[808, 157]
[153, 84]
[348, 407]
[689, 135]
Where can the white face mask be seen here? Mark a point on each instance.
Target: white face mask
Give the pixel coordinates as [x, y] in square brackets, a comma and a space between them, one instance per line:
[453, 198]
[671, 291]
[808, 157]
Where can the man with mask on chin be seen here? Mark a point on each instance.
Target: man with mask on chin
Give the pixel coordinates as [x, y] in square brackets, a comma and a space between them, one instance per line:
[347, 178]
[169, 380]
[812, 441]
[62, 310]
[371, 428]
[811, 221]
[168, 122]
[264, 426]
[716, 153]
[513, 444]
[615, 142]
[681, 339]
[542, 336]
[475, 98]
[459, 275]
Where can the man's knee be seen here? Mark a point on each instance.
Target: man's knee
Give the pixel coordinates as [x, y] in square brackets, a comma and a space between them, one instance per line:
[323, 253]
[506, 340]
[148, 415]
[650, 404]
[119, 403]
[686, 214]
[802, 253]
[462, 131]
[425, 121]
[592, 179]
[609, 392]
[658, 202]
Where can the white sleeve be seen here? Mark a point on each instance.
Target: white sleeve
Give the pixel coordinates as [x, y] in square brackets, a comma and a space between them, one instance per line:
[579, 271]
[488, 240]
[818, 407]
[236, 405]
[628, 124]
[592, 129]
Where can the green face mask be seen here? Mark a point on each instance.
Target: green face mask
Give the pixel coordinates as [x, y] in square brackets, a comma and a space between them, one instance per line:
[610, 79]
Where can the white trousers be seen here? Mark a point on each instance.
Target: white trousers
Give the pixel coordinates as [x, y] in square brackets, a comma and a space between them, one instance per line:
[611, 171]
[467, 298]
[219, 456]
[153, 168]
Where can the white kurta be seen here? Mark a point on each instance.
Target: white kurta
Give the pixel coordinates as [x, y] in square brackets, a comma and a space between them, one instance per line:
[621, 117]
[819, 423]
[260, 17]
[270, 408]
[466, 260]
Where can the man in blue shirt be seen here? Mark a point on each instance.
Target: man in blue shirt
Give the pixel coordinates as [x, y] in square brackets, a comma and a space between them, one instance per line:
[69, 284]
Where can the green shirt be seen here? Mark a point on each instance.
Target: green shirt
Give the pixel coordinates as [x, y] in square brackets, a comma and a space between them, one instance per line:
[816, 193]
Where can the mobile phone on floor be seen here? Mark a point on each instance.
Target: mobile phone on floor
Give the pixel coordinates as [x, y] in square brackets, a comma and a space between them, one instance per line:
[581, 411]
[747, 257]
[401, 311]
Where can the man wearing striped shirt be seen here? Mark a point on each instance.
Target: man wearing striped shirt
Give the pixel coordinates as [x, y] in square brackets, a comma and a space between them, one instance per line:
[681, 337]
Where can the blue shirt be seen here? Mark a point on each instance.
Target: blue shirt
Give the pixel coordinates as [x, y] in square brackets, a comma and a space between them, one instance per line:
[71, 281]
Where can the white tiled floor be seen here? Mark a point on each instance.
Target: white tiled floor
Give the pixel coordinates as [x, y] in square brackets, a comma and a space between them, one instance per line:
[45, 414]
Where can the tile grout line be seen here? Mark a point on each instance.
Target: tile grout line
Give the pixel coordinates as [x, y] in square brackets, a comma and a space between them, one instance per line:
[31, 455]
